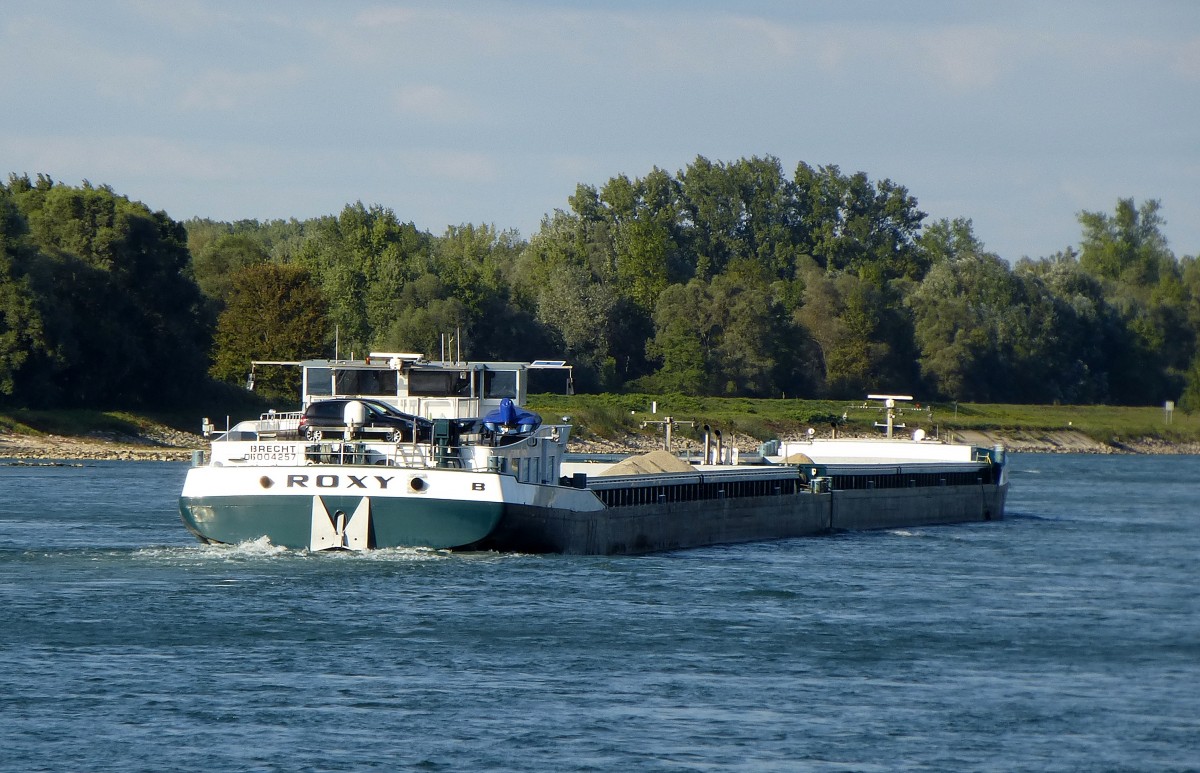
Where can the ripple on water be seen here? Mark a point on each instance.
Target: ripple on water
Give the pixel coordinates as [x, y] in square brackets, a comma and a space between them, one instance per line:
[1061, 638]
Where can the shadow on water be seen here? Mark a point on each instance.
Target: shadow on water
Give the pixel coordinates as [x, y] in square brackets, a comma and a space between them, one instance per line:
[1014, 516]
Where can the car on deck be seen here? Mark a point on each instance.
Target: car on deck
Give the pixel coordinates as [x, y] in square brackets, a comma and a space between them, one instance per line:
[328, 419]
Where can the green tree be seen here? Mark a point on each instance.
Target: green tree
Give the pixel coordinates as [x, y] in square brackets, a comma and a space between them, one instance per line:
[643, 216]
[1128, 246]
[581, 311]
[749, 323]
[1189, 275]
[277, 238]
[859, 226]
[745, 210]
[1071, 332]
[276, 313]
[566, 277]
[841, 315]
[361, 261]
[424, 313]
[123, 320]
[1143, 283]
[1189, 400]
[684, 339]
[214, 266]
[20, 324]
[473, 298]
[474, 263]
[946, 239]
[722, 337]
[969, 315]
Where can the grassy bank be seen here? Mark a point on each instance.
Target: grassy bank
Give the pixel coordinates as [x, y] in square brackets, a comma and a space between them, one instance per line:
[80, 423]
[613, 415]
[230, 404]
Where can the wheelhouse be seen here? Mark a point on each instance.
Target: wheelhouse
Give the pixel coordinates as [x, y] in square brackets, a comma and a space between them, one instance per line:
[433, 389]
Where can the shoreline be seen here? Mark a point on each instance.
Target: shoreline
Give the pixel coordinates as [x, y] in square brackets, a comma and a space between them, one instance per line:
[175, 446]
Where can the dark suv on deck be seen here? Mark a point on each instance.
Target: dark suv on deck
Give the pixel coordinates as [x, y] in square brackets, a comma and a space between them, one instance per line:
[328, 419]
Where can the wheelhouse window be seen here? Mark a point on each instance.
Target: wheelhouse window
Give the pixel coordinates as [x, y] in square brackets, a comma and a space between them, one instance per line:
[439, 383]
[500, 383]
[318, 381]
[354, 381]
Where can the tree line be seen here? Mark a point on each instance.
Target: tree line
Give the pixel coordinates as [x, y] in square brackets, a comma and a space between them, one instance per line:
[726, 278]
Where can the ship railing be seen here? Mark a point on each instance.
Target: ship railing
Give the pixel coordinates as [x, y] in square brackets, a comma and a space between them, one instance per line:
[636, 480]
[274, 424]
[512, 439]
[359, 452]
[469, 453]
[533, 457]
[994, 455]
[412, 455]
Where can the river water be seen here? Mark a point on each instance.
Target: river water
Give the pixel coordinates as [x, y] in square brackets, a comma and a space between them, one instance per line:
[1064, 638]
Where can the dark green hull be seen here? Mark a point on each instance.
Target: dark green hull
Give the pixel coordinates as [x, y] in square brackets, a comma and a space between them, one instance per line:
[287, 521]
[650, 528]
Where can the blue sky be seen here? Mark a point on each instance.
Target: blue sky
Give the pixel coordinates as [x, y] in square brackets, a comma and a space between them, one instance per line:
[1017, 115]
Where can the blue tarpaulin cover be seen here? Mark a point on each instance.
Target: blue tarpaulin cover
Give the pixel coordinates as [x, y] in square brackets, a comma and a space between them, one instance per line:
[510, 418]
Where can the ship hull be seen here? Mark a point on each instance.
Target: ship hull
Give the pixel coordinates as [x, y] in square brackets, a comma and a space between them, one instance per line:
[359, 507]
[344, 507]
[679, 525]
[287, 521]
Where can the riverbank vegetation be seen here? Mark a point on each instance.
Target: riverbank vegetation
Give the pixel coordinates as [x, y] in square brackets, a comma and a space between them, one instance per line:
[636, 420]
[614, 416]
[733, 280]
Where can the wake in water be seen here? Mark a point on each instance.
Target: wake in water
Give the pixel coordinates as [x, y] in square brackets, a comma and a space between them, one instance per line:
[262, 549]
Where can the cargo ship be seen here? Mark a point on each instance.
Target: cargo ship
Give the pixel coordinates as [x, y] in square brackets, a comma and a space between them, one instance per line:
[443, 455]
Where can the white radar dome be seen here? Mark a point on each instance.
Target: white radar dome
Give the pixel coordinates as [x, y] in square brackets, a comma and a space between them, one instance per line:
[355, 414]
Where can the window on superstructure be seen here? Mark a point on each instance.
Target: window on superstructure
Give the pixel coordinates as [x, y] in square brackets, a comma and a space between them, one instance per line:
[500, 383]
[378, 383]
[318, 381]
[439, 383]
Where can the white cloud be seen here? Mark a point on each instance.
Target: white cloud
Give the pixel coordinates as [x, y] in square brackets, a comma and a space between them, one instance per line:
[1187, 59]
[52, 53]
[781, 40]
[459, 166]
[387, 37]
[102, 159]
[577, 167]
[496, 111]
[226, 90]
[433, 103]
[387, 16]
[966, 58]
[185, 16]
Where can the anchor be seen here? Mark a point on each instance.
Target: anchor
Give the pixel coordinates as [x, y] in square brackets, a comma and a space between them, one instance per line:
[336, 532]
